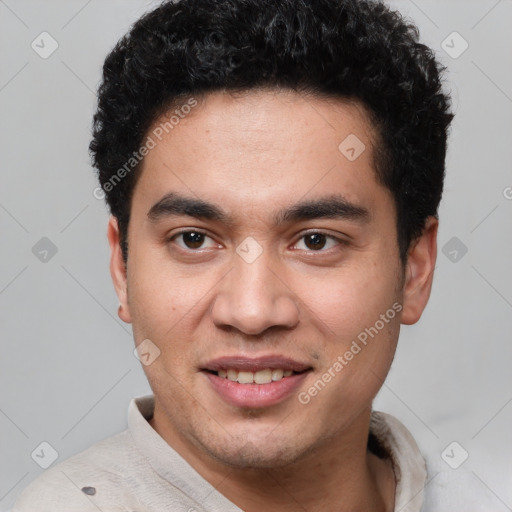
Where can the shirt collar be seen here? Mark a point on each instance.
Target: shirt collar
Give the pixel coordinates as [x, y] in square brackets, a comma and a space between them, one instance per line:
[408, 463]
[168, 463]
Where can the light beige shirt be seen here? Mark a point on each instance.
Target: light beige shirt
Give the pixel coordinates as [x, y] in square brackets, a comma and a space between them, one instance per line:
[137, 471]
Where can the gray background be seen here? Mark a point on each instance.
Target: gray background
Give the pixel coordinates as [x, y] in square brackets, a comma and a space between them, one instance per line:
[67, 367]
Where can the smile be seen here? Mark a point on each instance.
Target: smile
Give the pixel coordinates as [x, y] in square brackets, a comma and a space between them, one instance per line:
[261, 377]
[255, 383]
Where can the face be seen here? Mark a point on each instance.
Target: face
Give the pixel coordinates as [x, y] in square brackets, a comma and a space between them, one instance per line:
[264, 269]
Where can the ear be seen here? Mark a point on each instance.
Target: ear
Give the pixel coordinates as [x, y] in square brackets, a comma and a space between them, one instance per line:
[421, 261]
[118, 269]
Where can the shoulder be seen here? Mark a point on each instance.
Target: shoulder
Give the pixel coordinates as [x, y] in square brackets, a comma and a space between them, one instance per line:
[443, 476]
[408, 462]
[87, 481]
[456, 482]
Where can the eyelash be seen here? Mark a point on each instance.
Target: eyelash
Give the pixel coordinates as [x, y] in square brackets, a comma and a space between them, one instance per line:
[340, 241]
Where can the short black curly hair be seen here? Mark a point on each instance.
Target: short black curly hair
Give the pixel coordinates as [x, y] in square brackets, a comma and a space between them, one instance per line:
[348, 49]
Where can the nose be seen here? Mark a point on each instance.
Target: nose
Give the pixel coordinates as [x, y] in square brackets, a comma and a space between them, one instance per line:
[253, 298]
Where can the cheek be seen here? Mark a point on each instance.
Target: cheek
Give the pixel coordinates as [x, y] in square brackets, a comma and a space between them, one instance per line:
[163, 291]
[354, 311]
[160, 301]
[347, 302]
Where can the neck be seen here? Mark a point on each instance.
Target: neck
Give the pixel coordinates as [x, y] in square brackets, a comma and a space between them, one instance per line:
[341, 476]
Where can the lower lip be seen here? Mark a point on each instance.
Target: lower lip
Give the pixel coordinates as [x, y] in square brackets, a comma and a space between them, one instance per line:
[255, 395]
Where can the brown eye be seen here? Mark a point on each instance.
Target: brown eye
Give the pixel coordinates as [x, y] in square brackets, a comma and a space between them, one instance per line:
[193, 239]
[318, 241]
[315, 241]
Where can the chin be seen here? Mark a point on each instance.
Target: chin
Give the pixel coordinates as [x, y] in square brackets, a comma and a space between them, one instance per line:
[250, 456]
[252, 451]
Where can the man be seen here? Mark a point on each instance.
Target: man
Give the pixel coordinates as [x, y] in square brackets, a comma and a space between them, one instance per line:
[273, 170]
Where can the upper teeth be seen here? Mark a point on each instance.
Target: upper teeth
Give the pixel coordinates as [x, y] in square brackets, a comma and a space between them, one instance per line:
[260, 377]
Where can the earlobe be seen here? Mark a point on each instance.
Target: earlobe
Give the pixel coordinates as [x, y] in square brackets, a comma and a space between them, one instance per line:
[421, 262]
[118, 269]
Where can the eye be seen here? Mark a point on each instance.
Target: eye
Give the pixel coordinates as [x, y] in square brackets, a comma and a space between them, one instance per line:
[316, 241]
[193, 239]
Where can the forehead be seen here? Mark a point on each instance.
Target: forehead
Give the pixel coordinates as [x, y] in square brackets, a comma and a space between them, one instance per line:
[258, 149]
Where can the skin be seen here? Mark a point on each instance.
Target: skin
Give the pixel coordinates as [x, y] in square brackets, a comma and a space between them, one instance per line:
[252, 155]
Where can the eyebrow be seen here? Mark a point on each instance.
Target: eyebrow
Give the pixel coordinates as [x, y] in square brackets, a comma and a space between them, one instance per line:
[173, 204]
[330, 207]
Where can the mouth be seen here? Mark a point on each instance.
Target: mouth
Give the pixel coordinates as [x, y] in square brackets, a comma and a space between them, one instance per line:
[255, 383]
[265, 376]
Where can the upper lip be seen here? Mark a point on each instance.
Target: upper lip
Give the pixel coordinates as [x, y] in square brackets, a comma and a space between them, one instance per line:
[255, 364]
